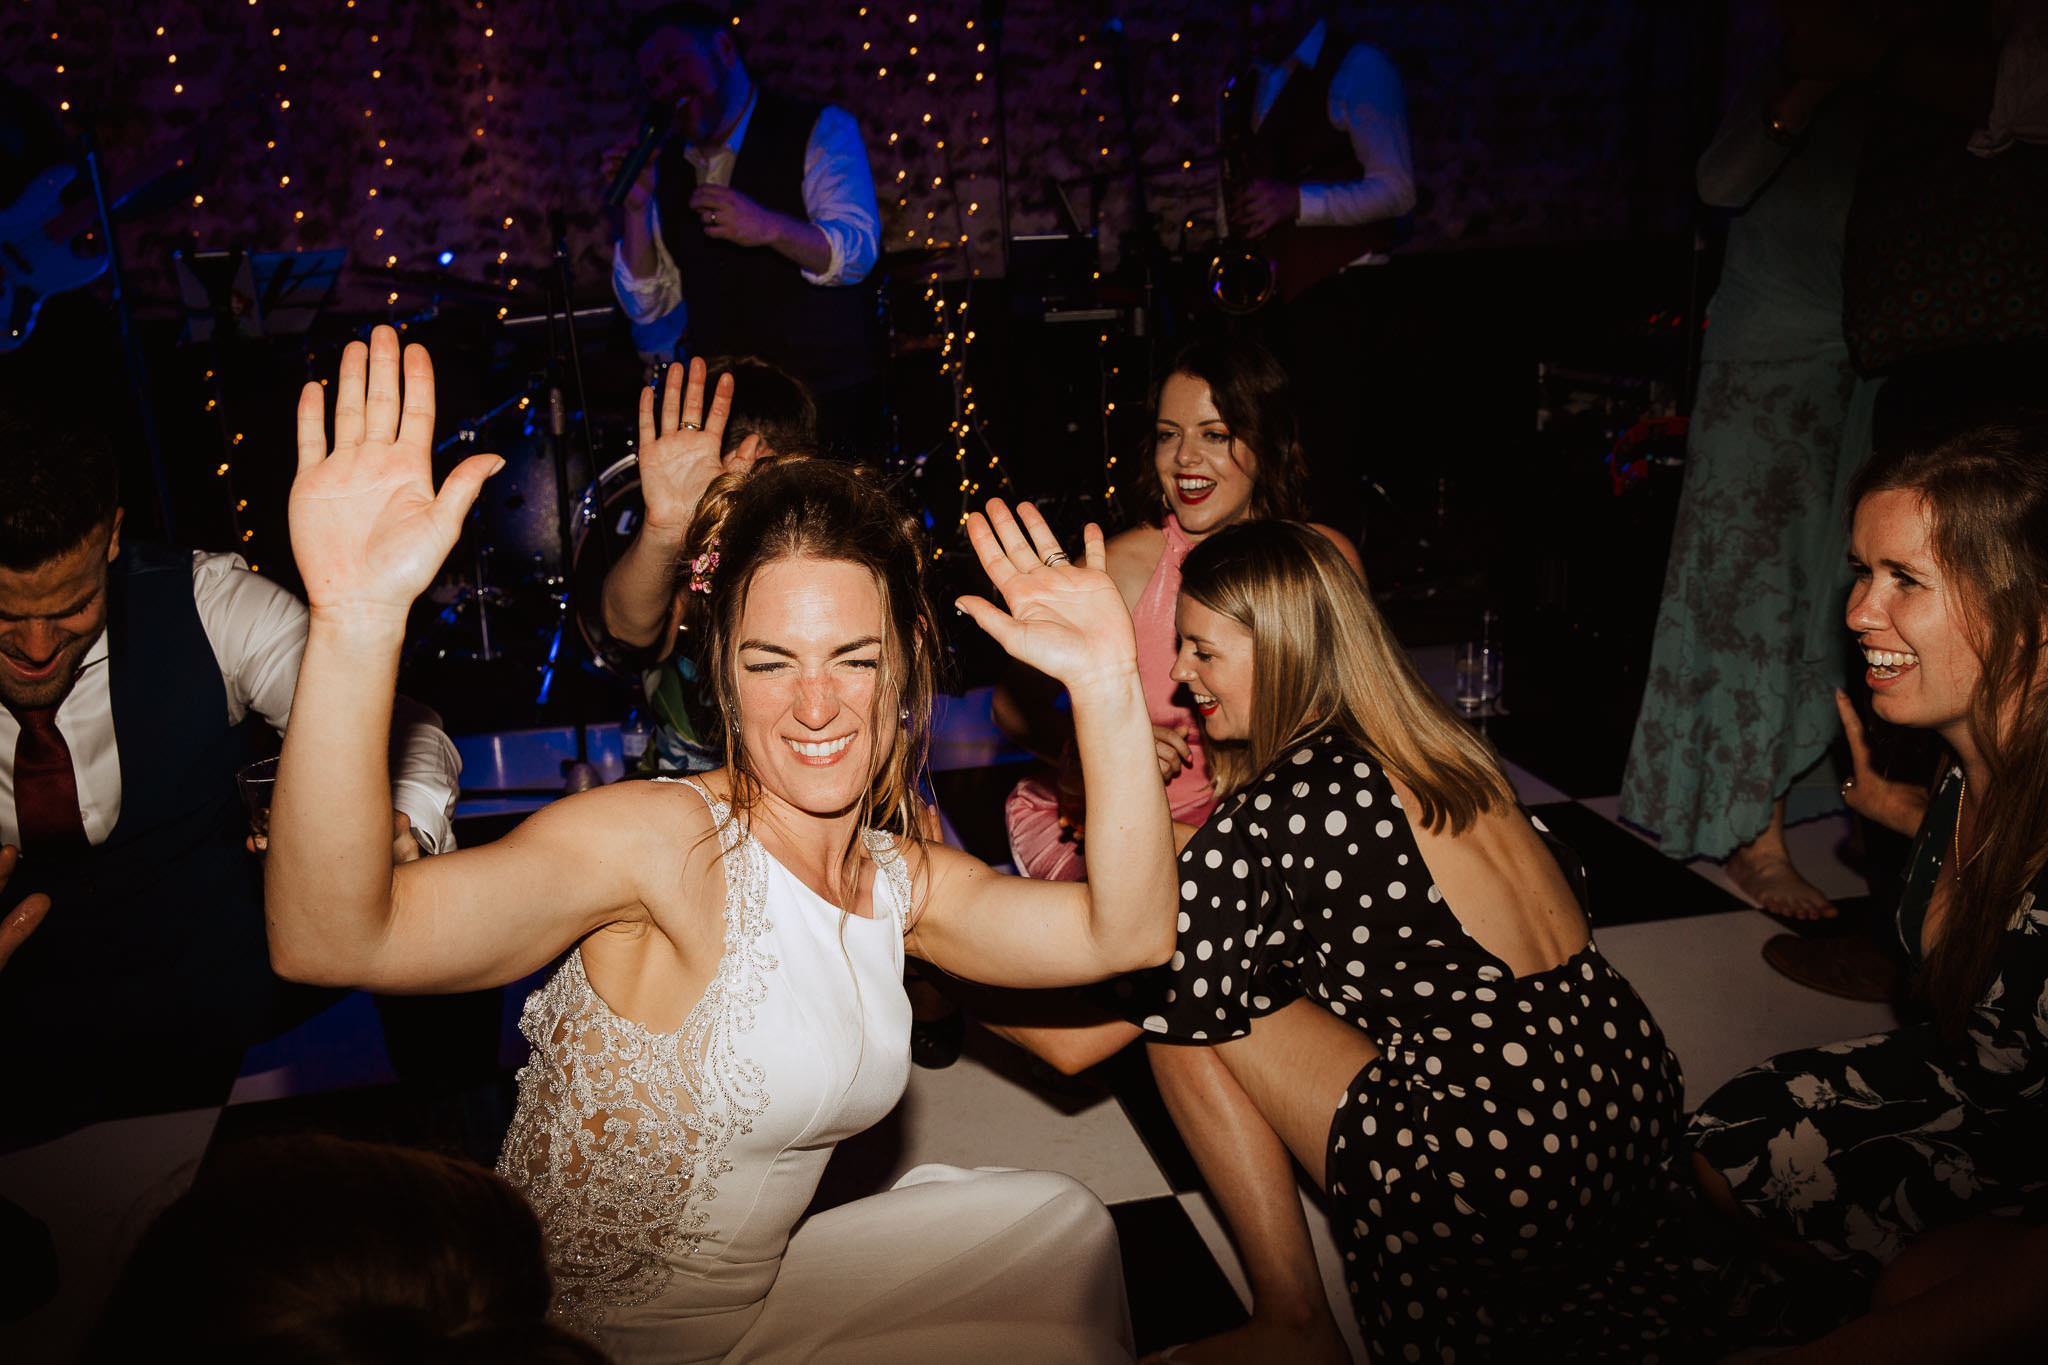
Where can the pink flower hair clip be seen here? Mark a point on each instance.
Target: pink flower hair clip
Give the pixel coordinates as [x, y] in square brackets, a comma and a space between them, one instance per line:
[702, 567]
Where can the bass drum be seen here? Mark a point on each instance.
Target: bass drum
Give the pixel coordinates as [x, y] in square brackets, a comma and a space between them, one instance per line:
[603, 523]
[517, 522]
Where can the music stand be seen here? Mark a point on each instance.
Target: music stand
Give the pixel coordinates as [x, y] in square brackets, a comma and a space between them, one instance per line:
[254, 293]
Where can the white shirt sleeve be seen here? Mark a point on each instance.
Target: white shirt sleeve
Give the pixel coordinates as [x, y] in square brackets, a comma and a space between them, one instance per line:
[1367, 102]
[654, 304]
[258, 634]
[839, 198]
[2019, 93]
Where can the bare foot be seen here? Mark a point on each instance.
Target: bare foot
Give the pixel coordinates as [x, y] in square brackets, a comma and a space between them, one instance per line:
[1767, 877]
[1259, 1342]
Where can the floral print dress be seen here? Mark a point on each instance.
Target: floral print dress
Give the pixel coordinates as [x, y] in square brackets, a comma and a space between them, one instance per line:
[1738, 708]
[1856, 1148]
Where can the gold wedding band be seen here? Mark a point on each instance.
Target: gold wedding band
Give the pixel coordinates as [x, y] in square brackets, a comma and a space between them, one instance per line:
[693, 426]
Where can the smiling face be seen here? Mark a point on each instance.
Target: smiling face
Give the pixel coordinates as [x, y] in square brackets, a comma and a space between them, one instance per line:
[1208, 476]
[809, 663]
[1215, 663]
[50, 616]
[696, 75]
[1909, 618]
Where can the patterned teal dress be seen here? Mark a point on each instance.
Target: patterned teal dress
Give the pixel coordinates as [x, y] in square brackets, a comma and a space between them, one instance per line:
[1857, 1148]
[1738, 704]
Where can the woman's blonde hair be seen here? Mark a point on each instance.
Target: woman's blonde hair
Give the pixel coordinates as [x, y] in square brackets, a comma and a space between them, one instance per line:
[1323, 660]
[799, 507]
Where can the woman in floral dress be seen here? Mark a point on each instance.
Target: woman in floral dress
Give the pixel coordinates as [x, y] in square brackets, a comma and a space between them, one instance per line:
[1735, 725]
[1852, 1154]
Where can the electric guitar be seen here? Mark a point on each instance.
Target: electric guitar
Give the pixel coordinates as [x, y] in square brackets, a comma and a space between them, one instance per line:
[46, 247]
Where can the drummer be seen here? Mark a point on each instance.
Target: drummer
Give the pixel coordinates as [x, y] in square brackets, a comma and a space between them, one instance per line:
[766, 412]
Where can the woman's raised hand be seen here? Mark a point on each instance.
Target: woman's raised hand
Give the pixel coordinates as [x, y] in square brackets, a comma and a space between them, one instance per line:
[368, 530]
[1065, 619]
[680, 453]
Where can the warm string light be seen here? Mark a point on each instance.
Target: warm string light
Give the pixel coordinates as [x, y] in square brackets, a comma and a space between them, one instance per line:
[907, 65]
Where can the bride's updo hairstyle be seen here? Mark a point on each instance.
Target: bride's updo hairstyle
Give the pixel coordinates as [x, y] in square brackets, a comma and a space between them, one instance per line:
[1324, 660]
[798, 507]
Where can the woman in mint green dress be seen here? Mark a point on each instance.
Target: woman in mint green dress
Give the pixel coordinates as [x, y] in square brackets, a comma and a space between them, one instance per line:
[1738, 713]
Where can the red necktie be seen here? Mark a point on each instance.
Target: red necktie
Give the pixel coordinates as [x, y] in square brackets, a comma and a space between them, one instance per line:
[45, 788]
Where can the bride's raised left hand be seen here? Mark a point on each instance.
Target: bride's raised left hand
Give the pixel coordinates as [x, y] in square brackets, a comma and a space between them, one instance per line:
[1065, 619]
[368, 531]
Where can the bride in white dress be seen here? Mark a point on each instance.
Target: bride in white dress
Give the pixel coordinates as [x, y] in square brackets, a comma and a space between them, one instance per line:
[730, 1005]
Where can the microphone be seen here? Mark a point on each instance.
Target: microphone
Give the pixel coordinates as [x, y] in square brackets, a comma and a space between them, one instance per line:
[654, 125]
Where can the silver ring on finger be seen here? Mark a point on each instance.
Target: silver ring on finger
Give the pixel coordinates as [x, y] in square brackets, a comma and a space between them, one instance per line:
[693, 426]
[1056, 557]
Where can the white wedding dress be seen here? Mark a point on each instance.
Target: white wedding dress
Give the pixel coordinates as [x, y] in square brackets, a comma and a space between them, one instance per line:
[669, 1169]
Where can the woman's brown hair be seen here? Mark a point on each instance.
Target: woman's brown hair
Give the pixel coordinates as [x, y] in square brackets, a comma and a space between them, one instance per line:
[1251, 394]
[334, 1252]
[1985, 492]
[797, 507]
[1324, 660]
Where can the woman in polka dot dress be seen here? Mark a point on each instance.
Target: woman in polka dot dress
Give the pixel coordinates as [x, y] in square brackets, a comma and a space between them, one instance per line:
[1385, 967]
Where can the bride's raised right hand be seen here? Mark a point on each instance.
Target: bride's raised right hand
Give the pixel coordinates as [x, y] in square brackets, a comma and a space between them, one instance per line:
[368, 531]
[1066, 618]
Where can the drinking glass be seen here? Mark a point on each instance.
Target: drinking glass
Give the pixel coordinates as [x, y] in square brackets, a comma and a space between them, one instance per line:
[1470, 689]
[258, 782]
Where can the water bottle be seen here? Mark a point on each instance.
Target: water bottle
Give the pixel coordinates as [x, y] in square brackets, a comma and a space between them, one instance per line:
[633, 732]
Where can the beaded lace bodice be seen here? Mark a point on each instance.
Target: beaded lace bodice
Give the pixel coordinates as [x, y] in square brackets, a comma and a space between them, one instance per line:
[624, 1137]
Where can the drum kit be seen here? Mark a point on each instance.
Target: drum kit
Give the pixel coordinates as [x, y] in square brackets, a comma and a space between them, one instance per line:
[523, 582]
[530, 556]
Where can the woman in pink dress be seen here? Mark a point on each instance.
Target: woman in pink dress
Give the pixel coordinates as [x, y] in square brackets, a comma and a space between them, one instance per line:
[1225, 449]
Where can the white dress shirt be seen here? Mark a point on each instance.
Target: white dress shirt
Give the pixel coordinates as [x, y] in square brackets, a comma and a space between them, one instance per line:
[258, 634]
[839, 201]
[1368, 104]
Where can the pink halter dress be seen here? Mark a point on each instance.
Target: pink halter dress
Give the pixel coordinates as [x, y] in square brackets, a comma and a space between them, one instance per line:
[1039, 845]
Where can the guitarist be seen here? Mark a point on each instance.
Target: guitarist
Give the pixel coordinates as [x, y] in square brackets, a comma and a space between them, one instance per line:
[1329, 194]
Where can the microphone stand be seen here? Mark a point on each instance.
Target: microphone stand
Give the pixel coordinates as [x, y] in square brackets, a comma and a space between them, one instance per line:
[579, 774]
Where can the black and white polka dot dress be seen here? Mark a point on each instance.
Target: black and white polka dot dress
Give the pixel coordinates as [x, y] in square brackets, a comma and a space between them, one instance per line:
[1496, 1168]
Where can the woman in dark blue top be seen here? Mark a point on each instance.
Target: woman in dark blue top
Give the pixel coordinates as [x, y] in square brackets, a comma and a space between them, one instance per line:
[1913, 1160]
